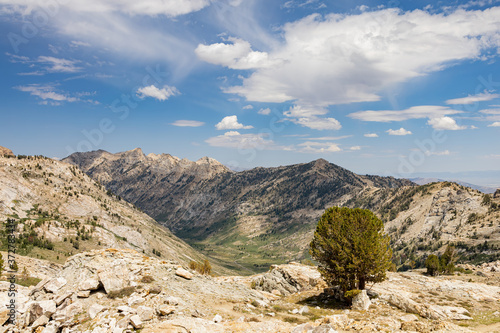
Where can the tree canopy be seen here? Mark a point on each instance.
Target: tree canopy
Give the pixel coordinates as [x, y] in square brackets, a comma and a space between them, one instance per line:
[351, 248]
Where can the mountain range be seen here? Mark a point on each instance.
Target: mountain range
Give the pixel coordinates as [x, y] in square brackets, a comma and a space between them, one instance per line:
[253, 218]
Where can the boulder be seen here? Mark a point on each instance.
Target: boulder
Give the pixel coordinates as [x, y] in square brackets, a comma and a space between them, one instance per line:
[41, 321]
[133, 300]
[361, 301]
[184, 273]
[89, 284]
[497, 194]
[217, 318]
[288, 279]
[164, 310]
[171, 300]
[55, 284]
[83, 294]
[136, 322]
[5, 152]
[94, 310]
[113, 280]
[145, 313]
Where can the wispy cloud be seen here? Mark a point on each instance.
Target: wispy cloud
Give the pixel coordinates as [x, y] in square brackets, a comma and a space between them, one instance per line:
[471, 99]
[415, 112]
[234, 139]
[265, 111]
[371, 135]
[318, 147]
[188, 123]
[495, 124]
[47, 93]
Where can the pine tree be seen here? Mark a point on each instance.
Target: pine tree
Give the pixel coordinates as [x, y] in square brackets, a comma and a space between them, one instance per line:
[351, 248]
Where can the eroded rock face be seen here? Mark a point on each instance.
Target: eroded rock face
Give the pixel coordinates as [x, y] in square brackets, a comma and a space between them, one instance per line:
[288, 279]
[5, 151]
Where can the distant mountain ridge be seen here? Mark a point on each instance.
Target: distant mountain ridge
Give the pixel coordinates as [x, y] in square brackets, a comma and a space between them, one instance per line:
[424, 181]
[204, 200]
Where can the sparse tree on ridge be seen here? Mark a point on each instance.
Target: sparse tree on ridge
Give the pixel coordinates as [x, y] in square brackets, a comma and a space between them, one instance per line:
[351, 248]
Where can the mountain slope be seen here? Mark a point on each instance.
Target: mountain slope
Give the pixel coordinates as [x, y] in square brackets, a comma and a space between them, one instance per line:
[250, 218]
[60, 211]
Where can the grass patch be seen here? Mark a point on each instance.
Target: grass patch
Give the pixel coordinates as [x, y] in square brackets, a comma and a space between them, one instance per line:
[28, 281]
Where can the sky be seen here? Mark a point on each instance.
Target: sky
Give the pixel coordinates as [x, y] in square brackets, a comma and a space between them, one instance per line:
[377, 87]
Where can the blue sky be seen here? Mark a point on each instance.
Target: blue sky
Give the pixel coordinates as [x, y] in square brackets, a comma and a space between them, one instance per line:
[379, 87]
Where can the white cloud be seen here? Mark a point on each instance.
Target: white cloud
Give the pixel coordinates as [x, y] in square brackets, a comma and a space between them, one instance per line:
[491, 111]
[400, 131]
[445, 123]
[355, 148]
[371, 135]
[77, 43]
[160, 94]
[415, 112]
[231, 122]
[265, 111]
[318, 147]
[128, 7]
[438, 153]
[485, 96]
[328, 138]
[46, 93]
[318, 123]
[495, 124]
[188, 123]
[237, 55]
[336, 59]
[234, 139]
[248, 107]
[57, 65]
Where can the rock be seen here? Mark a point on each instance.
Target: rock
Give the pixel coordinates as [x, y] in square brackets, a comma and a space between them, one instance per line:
[304, 328]
[171, 300]
[183, 273]
[408, 318]
[361, 301]
[497, 194]
[61, 298]
[83, 294]
[133, 300]
[121, 325]
[303, 310]
[337, 321]
[5, 152]
[260, 303]
[287, 279]
[145, 313]
[52, 327]
[94, 310]
[165, 310]
[154, 289]
[68, 312]
[113, 280]
[89, 284]
[125, 309]
[55, 284]
[324, 329]
[197, 314]
[136, 322]
[41, 321]
[217, 319]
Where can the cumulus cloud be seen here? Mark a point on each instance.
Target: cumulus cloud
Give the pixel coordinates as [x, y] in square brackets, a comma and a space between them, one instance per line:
[371, 135]
[337, 59]
[265, 111]
[160, 94]
[188, 123]
[400, 131]
[445, 123]
[495, 124]
[236, 55]
[231, 122]
[415, 112]
[234, 139]
[482, 97]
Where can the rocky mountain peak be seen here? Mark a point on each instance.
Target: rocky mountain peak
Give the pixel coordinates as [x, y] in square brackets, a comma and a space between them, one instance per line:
[5, 151]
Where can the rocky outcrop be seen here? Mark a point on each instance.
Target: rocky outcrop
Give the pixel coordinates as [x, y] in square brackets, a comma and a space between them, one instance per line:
[6, 152]
[496, 194]
[288, 279]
